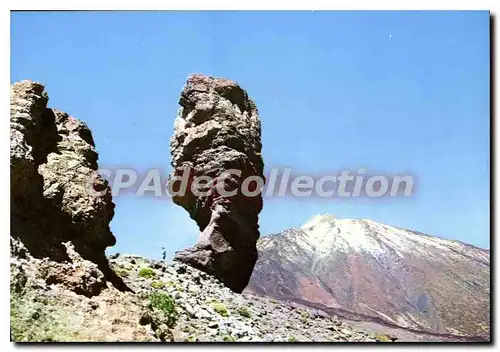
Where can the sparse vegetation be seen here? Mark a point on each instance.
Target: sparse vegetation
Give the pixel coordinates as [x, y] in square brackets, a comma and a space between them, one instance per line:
[291, 339]
[192, 338]
[122, 272]
[33, 321]
[244, 312]
[157, 284]
[228, 338]
[146, 272]
[304, 314]
[220, 309]
[164, 303]
[382, 338]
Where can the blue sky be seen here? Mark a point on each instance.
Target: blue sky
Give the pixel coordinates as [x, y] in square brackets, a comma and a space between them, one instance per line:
[393, 92]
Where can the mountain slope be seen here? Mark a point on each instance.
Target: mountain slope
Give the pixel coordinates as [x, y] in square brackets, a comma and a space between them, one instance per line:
[398, 276]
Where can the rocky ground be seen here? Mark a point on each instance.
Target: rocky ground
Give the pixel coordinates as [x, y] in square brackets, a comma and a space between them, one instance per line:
[170, 302]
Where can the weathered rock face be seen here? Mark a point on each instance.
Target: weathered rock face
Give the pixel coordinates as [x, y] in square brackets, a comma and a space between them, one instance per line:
[218, 129]
[53, 171]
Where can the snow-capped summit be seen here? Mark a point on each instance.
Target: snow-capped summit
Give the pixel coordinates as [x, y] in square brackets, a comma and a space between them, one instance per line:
[362, 266]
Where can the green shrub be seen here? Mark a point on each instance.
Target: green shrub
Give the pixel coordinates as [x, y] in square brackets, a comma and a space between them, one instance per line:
[244, 312]
[228, 338]
[382, 338]
[291, 339]
[147, 273]
[220, 309]
[164, 303]
[122, 272]
[192, 338]
[157, 284]
[304, 314]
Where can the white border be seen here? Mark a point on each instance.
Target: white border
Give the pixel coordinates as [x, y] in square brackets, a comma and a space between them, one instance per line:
[192, 5]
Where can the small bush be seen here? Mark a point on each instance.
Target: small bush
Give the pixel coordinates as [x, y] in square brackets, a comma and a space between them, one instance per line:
[157, 284]
[382, 338]
[228, 338]
[244, 312]
[122, 272]
[192, 338]
[164, 303]
[147, 273]
[304, 314]
[291, 339]
[220, 309]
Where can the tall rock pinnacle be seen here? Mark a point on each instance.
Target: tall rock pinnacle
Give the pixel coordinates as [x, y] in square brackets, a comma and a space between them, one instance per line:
[218, 129]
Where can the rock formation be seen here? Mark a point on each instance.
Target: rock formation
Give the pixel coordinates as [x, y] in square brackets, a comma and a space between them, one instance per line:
[53, 171]
[218, 129]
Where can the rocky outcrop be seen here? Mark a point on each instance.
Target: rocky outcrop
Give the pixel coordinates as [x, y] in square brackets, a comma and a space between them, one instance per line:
[69, 301]
[218, 129]
[57, 196]
[374, 272]
[173, 302]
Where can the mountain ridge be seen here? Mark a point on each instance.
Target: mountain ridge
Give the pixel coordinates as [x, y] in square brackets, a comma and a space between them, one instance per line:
[401, 276]
[383, 223]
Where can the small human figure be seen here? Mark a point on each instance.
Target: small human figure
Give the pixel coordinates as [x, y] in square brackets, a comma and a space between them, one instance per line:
[163, 253]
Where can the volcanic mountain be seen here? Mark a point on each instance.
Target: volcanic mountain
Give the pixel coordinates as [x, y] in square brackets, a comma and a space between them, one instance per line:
[363, 268]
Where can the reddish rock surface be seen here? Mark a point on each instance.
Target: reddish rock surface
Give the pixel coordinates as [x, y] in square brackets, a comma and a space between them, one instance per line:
[369, 270]
[218, 129]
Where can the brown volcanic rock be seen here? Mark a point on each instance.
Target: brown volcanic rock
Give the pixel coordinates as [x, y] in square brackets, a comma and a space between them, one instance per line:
[53, 160]
[218, 129]
[365, 269]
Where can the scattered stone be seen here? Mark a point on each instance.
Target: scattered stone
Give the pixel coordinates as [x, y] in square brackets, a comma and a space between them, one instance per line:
[214, 313]
[164, 333]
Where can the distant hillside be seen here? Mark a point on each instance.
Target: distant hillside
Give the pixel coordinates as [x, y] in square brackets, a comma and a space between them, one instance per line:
[363, 267]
